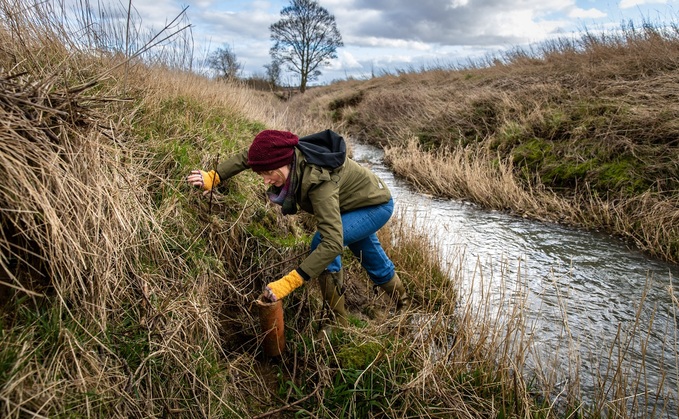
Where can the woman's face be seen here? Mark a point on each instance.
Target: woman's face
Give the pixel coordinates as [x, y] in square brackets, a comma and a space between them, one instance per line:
[276, 177]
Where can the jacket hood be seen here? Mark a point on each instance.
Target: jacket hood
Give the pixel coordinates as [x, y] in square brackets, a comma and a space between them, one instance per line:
[326, 149]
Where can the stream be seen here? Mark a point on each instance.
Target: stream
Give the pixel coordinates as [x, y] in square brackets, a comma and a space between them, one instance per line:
[588, 299]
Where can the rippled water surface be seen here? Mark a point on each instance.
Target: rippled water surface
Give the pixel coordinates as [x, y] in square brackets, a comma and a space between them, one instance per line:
[581, 289]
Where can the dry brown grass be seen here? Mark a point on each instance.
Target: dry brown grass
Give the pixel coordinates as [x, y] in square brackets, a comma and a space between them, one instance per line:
[473, 174]
[107, 310]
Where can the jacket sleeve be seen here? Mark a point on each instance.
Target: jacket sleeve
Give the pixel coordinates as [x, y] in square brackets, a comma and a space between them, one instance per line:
[233, 165]
[324, 198]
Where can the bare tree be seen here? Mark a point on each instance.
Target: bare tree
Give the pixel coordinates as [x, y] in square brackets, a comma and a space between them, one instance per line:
[224, 62]
[273, 74]
[305, 39]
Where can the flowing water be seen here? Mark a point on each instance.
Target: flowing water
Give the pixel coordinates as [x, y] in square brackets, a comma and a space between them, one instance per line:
[588, 298]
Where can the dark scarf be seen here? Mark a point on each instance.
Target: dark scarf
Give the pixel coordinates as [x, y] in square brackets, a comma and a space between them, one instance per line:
[285, 195]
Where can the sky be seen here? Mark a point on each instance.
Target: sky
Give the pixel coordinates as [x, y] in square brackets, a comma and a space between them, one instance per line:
[388, 36]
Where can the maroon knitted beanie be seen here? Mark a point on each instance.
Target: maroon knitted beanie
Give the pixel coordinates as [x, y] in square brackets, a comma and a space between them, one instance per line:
[271, 150]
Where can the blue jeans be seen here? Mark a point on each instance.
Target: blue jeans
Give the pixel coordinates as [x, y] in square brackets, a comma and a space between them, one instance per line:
[360, 234]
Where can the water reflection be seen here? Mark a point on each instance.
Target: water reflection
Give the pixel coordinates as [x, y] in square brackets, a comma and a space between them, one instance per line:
[580, 288]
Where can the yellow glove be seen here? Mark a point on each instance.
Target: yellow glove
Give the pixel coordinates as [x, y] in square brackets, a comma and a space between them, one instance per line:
[210, 179]
[284, 286]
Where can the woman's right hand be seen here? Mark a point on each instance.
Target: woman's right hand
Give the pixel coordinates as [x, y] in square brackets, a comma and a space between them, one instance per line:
[195, 178]
[202, 179]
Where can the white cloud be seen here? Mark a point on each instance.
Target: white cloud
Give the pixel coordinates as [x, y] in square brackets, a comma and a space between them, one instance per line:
[457, 3]
[578, 13]
[345, 61]
[514, 27]
[626, 4]
[377, 42]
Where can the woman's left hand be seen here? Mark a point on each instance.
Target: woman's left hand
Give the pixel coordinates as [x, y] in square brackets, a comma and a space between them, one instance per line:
[284, 286]
[269, 295]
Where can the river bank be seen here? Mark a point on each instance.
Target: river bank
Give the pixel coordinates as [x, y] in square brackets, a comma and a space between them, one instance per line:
[581, 294]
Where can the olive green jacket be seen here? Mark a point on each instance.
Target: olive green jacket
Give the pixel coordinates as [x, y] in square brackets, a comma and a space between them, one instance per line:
[327, 194]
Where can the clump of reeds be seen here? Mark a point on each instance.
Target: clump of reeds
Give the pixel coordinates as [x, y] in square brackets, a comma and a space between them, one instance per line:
[106, 308]
[84, 241]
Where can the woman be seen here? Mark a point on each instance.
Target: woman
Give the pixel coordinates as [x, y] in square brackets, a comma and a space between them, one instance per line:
[349, 202]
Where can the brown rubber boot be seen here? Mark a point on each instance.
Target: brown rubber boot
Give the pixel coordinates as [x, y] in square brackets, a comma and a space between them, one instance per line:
[396, 291]
[331, 287]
